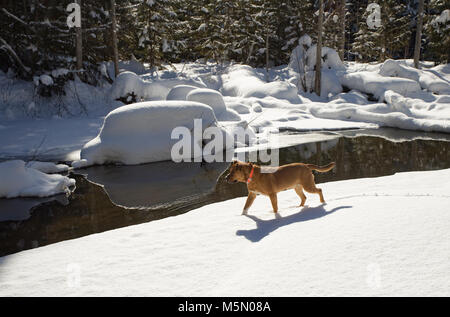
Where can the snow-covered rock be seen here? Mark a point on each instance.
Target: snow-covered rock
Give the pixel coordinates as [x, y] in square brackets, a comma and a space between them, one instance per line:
[426, 79]
[141, 132]
[17, 180]
[46, 80]
[243, 81]
[129, 83]
[383, 236]
[180, 92]
[215, 100]
[209, 97]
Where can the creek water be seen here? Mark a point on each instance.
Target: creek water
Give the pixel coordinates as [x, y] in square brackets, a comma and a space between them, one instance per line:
[111, 196]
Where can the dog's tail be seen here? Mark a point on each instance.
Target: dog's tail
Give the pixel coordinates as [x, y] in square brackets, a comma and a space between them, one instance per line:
[321, 169]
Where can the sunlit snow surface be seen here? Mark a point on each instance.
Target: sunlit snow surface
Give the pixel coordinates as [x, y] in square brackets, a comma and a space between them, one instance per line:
[375, 236]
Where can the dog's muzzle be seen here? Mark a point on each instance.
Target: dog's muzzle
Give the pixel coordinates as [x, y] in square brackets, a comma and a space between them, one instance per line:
[227, 178]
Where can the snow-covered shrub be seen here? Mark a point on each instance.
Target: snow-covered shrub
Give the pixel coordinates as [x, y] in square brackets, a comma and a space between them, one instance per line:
[303, 60]
[52, 84]
[298, 59]
[141, 132]
[330, 58]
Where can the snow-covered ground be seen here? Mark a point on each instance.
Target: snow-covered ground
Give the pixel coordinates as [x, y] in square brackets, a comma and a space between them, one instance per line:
[375, 236]
[54, 139]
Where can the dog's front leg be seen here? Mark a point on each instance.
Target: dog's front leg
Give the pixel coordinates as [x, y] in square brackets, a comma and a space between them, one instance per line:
[274, 200]
[250, 199]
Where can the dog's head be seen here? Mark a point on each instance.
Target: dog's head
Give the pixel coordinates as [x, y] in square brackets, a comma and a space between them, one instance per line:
[239, 172]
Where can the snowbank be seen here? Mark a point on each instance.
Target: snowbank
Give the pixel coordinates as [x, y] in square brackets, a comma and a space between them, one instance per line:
[427, 80]
[385, 236]
[47, 139]
[17, 180]
[376, 84]
[439, 109]
[213, 99]
[48, 167]
[352, 96]
[238, 107]
[141, 132]
[394, 115]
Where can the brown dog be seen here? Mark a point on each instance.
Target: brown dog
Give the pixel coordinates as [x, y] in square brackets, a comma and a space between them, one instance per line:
[298, 176]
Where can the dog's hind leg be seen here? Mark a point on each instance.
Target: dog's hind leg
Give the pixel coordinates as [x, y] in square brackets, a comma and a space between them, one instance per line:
[310, 186]
[301, 194]
[274, 200]
[250, 199]
[314, 190]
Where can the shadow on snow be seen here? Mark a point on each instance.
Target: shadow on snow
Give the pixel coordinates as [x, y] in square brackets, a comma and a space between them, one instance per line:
[265, 227]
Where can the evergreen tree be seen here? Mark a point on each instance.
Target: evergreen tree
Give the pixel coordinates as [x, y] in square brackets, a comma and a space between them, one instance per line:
[388, 40]
[154, 24]
[437, 31]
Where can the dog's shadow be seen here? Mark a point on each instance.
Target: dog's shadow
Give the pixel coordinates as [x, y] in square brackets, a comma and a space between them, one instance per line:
[265, 227]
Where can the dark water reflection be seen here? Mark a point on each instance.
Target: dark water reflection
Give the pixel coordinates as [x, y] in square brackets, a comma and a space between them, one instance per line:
[109, 197]
[156, 184]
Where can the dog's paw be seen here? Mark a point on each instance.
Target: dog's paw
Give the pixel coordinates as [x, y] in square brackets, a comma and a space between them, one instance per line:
[244, 212]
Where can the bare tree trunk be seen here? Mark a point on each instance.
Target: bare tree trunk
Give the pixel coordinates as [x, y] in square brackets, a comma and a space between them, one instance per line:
[342, 30]
[418, 34]
[114, 37]
[319, 50]
[267, 53]
[79, 43]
